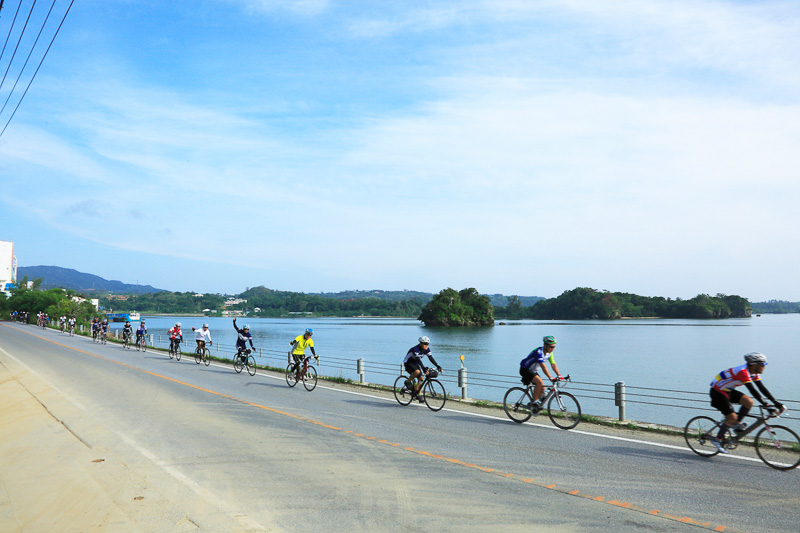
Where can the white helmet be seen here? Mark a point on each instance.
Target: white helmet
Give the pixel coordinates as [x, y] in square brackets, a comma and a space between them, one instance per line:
[424, 340]
[755, 358]
[177, 324]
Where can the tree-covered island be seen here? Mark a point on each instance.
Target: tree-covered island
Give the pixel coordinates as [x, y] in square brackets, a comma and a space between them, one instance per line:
[586, 303]
[466, 307]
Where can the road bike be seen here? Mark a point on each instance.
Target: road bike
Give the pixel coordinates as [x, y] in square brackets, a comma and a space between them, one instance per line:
[126, 340]
[103, 337]
[141, 343]
[307, 374]
[562, 407]
[243, 359]
[777, 446]
[95, 335]
[72, 330]
[201, 354]
[431, 393]
[175, 349]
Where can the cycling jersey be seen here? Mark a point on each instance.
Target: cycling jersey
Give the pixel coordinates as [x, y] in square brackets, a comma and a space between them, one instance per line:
[243, 338]
[203, 334]
[416, 353]
[534, 360]
[729, 379]
[175, 333]
[142, 329]
[301, 343]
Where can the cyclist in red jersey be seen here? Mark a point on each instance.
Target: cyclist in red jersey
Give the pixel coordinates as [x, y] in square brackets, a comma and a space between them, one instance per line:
[723, 394]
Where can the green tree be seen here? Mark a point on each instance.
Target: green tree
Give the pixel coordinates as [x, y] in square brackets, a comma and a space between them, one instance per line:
[464, 308]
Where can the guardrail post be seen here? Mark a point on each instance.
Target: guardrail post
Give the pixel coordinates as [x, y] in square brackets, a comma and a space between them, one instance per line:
[151, 339]
[462, 379]
[619, 398]
[360, 369]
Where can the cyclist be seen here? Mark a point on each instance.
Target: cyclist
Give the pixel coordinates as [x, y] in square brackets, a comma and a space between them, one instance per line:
[95, 327]
[724, 394]
[413, 364]
[175, 335]
[71, 323]
[535, 361]
[300, 343]
[62, 322]
[127, 329]
[203, 335]
[241, 341]
[141, 331]
[104, 328]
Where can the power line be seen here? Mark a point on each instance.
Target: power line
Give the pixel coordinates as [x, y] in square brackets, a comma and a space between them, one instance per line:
[38, 67]
[18, 41]
[29, 56]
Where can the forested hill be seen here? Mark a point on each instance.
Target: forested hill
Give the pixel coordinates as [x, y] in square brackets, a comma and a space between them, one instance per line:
[68, 278]
[584, 302]
[776, 306]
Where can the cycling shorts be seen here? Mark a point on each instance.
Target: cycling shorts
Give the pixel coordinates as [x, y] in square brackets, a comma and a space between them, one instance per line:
[412, 365]
[723, 403]
[527, 375]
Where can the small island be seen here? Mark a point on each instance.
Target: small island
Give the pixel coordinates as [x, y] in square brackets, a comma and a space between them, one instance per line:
[466, 307]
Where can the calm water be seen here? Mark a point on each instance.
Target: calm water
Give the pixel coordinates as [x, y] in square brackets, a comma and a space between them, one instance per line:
[681, 355]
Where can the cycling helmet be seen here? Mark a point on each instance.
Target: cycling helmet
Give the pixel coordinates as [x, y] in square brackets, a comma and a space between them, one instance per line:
[424, 340]
[549, 339]
[755, 358]
[127, 321]
[310, 331]
[245, 327]
[177, 324]
[205, 325]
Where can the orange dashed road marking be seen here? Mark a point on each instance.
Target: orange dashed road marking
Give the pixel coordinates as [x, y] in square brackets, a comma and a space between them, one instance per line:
[601, 499]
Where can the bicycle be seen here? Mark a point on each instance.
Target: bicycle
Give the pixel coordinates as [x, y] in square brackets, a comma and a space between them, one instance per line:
[141, 343]
[432, 391]
[201, 354]
[777, 446]
[126, 341]
[562, 407]
[72, 330]
[307, 374]
[175, 349]
[94, 335]
[103, 337]
[243, 359]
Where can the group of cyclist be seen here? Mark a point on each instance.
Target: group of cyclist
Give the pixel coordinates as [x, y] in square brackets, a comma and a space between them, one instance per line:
[723, 393]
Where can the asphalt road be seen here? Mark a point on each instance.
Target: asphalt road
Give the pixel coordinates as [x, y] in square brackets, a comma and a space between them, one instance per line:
[216, 450]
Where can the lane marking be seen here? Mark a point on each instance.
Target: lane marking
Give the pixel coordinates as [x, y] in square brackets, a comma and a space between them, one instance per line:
[490, 471]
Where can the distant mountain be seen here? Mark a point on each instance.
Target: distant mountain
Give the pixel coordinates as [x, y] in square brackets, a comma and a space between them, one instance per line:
[390, 296]
[68, 278]
[501, 300]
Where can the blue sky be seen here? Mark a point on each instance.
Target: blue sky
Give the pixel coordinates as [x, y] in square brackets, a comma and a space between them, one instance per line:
[516, 147]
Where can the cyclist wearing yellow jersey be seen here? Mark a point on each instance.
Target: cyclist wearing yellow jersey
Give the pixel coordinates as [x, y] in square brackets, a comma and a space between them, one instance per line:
[535, 361]
[300, 343]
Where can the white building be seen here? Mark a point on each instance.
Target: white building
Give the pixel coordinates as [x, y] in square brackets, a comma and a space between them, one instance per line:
[8, 266]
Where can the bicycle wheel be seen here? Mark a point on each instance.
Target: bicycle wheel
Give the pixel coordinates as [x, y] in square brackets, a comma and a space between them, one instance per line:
[198, 356]
[698, 434]
[144, 345]
[401, 392]
[779, 448]
[206, 357]
[251, 365]
[178, 352]
[516, 404]
[291, 378]
[238, 364]
[171, 350]
[564, 410]
[434, 395]
[310, 378]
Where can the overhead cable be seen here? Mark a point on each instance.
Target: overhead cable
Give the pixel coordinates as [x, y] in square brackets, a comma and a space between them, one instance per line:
[38, 67]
